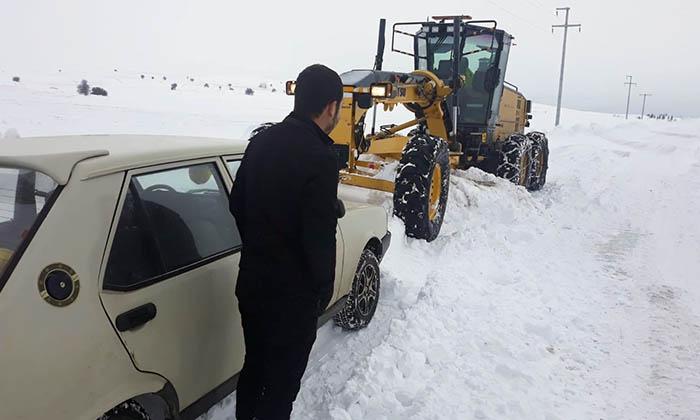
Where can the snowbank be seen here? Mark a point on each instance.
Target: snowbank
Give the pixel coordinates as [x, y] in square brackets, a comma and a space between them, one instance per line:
[576, 302]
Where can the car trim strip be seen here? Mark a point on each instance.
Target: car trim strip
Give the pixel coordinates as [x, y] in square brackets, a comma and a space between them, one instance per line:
[165, 276]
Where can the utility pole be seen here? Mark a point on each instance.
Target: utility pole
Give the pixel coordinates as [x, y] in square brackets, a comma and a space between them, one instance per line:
[629, 94]
[566, 27]
[644, 102]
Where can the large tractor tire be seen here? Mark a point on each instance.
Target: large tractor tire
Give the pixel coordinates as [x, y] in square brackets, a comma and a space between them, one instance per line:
[514, 159]
[539, 160]
[362, 299]
[422, 184]
[259, 129]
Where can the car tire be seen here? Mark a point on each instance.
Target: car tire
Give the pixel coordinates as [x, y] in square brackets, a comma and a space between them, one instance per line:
[129, 410]
[422, 185]
[361, 303]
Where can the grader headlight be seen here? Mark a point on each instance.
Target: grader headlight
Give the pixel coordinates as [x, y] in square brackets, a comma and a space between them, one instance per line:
[381, 90]
[291, 87]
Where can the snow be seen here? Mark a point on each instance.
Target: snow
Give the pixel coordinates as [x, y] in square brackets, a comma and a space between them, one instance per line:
[575, 302]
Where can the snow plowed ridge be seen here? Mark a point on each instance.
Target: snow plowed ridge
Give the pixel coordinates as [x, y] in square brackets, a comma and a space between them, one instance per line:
[575, 302]
[564, 304]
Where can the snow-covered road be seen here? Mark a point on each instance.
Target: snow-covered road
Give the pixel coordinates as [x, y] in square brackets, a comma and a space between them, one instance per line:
[576, 302]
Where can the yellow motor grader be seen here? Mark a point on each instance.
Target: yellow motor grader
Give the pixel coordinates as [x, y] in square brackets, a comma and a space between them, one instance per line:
[465, 115]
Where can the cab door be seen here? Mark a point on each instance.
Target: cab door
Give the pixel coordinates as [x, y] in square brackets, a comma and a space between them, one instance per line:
[169, 274]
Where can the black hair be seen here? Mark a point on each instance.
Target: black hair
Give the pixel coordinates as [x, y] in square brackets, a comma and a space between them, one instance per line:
[317, 86]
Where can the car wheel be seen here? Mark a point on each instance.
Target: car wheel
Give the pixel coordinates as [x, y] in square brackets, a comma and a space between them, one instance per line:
[129, 410]
[364, 295]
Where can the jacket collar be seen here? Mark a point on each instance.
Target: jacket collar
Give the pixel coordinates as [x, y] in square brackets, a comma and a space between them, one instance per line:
[325, 138]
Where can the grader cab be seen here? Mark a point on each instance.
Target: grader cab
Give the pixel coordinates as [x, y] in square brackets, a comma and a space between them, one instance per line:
[465, 115]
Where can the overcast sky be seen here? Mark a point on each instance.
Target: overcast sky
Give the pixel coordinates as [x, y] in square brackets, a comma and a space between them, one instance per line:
[655, 41]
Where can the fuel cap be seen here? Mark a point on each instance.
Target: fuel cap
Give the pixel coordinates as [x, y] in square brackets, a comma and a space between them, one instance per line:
[58, 284]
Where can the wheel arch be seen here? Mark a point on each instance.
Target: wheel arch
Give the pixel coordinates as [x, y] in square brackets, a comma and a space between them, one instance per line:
[160, 404]
[375, 245]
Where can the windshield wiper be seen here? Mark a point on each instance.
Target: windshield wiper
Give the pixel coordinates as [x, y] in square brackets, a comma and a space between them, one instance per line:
[490, 49]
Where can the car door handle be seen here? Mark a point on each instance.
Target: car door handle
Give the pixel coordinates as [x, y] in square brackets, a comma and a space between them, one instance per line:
[136, 317]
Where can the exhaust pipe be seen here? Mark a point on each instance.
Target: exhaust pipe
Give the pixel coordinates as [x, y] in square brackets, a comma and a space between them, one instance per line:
[379, 58]
[378, 62]
[456, 58]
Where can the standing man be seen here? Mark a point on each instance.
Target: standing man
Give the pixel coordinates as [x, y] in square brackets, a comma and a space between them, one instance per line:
[284, 199]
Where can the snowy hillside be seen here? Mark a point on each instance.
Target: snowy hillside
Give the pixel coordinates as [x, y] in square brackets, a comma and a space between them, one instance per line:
[41, 105]
[576, 302]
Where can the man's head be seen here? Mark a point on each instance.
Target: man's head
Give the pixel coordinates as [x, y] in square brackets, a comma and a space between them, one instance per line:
[318, 94]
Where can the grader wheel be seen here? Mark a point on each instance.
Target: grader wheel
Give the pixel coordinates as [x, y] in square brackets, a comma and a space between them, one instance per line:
[259, 129]
[422, 184]
[539, 160]
[514, 163]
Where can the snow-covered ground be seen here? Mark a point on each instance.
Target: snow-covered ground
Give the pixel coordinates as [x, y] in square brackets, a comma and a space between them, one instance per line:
[576, 302]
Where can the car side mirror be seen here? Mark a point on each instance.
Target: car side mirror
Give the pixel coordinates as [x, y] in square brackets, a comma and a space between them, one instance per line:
[340, 209]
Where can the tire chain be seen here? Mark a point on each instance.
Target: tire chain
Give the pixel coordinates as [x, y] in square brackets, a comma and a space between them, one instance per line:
[130, 408]
[512, 150]
[259, 129]
[424, 139]
[347, 318]
[539, 146]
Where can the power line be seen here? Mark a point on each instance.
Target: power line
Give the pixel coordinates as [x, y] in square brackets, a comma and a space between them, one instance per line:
[566, 27]
[629, 94]
[644, 102]
[539, 3]
[526, 21]
[534, 3]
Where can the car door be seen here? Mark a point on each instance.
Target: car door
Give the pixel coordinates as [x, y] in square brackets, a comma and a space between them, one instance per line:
[233, 162]
[169, 276]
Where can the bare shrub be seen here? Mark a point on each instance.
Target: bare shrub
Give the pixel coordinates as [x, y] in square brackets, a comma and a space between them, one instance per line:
[84, 88]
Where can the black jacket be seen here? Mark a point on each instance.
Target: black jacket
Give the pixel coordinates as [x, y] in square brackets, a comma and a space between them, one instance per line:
[284, 200]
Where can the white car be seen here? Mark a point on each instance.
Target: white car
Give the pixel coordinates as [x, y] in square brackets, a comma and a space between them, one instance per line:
[118, 263]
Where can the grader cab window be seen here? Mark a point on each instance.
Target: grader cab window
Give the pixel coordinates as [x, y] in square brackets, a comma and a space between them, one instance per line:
[479, 54]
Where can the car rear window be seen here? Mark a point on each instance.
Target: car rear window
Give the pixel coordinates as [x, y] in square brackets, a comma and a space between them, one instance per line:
[23, 195]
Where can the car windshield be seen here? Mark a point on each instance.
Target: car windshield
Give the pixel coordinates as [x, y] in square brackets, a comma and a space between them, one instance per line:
[23, 194]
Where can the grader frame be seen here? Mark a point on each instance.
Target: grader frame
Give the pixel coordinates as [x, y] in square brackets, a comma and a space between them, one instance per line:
[441, 138]
[420, 88]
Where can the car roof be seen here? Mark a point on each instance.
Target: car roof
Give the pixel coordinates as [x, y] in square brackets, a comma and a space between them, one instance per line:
[106, 154]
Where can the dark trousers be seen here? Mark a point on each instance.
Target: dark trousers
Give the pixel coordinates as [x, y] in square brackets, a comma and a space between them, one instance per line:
[278, 339]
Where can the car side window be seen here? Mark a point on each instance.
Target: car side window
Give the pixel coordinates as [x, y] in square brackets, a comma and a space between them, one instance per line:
[233, 166]
[171, 219]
